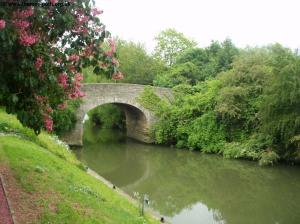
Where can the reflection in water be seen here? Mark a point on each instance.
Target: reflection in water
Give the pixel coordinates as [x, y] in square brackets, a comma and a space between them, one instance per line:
[189, 187]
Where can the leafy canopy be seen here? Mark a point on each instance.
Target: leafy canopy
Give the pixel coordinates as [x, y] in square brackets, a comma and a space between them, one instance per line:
[170, 44]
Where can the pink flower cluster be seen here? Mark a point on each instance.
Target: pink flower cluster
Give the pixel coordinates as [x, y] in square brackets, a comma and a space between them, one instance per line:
[62, 80]
[88, 51]
[73, 57]
[2, 24]
[38, 63]
[53, 2]
[113, 47]
[27, 39]
[46, 110]
[48, 122]
[76, 90]
[23, 14]
[115, 61]
[82, 19]
[62, 106]
[117, 76]
[19, 22]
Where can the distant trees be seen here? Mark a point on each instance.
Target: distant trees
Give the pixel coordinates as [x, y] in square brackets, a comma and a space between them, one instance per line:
[136, 64]
[169, 44]
[198, 64]
[280, 107]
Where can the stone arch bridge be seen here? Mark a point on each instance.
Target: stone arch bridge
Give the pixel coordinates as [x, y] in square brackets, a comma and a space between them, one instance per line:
[138, 119]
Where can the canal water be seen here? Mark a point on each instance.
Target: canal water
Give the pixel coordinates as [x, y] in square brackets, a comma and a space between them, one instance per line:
[193, 188]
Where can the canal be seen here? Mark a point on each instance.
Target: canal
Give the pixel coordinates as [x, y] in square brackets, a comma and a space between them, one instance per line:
[192, 188]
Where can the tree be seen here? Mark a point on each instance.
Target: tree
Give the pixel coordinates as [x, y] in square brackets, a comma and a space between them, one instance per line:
[280, 107]
[185, 73]
[43, 50]
[170, 44]
[215, 58]
[138, 67]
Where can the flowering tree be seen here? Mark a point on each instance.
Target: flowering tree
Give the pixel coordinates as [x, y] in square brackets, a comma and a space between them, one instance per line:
[42, 52]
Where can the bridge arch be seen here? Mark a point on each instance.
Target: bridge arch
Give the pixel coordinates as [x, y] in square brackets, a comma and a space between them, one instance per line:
[138, 119]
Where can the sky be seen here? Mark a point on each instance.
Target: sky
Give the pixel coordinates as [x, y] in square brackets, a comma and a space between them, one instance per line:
[245, 22]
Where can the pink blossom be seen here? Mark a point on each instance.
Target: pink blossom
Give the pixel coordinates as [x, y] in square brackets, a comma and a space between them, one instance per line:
[82, 19]
[80, 30]
[38, 63]
[103, 65]
[115, 61]
[88, 50]
[112, 45]
[49, 109]
[109, 53]
[2, 24]
[73, 69]
[23, 14]
[27, 39]
[117, 76]
[73, 57]
[62, 106]
[48, 122]
[96, 12]
[53, 2]
[41, 99]
[21, 24]
[77, 93]
[84, 30]
[62, 80]
[78, 77]
[59, 60]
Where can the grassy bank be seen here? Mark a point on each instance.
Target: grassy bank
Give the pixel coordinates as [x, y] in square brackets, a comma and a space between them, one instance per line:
[46, 184]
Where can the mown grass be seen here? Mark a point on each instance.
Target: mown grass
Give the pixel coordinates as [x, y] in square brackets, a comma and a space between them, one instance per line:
[67, 194]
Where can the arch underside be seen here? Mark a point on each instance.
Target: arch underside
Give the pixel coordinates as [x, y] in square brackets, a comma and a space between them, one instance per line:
[138, 122]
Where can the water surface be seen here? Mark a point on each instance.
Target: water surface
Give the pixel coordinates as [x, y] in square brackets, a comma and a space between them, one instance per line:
[193, 188]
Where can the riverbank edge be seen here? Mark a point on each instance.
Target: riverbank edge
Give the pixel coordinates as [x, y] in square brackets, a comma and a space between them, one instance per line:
[155, 214]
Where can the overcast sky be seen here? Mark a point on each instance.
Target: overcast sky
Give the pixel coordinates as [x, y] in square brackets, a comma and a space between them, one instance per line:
[246, 22]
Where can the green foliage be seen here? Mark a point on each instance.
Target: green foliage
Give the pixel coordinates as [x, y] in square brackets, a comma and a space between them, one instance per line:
[237, 104]
[64, 120]
[250, 109]
[170, 43]
[108, 116]
[178, 74]
[151, 101]
[90, 77]
[268, 158]
[135, 63]
[211, 60]
[280, 108]
[200, 134]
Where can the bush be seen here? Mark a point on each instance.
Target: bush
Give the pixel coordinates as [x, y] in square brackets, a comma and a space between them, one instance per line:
[268, 157]
[65, 120]
[108, 116]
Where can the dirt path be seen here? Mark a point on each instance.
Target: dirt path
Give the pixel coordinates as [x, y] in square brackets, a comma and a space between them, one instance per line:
[5, 216]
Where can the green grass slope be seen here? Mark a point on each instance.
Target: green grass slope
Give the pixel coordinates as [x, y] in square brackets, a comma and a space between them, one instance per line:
[51, 182]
